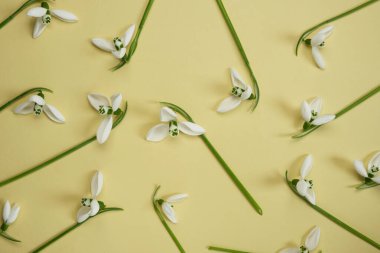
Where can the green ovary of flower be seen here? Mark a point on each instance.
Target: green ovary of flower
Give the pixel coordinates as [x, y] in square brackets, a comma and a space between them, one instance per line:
[173, 128]
[118, 43]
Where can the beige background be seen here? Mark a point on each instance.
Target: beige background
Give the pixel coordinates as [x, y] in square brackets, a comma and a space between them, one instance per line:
[183, 57]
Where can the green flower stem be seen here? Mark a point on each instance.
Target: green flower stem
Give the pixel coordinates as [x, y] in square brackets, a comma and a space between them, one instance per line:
[225, 250]
[61, 155]
[133, 46]
[30, 91]
[14, 14]
[365, 185]
[69, 229]
[309, 31]
[8, 237]
[242, 53]
[156, 207]
[221, 161]
[333, 218]
[343, 111]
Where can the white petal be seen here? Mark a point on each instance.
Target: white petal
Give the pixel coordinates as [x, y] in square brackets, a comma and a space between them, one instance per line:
[104, 130]
[6, 210]
[169, 212]
[94, 207]
[158, 132]
[190, 128]
[375, 161]
[321, 36]
[128, 35]
[83, 213]
[24, 108]
[310, 196]
[376, 179]
[290, 250]
[302, 187]
[39, 27]
[318, 57]
[177, 197]
[167, 114]
[37, 99]
[36, 12]
[13, 214]
[360, 169]
[97, 100]
[54, 114]
[316, 105]
[306, 166]
[96, 184]
[237, 81]
[116, 101]
[247, 93]
[119, 53]
[312, 239]
[103, 44]
[64, 15]
[323, 119]
[229, 104]
[305, 111]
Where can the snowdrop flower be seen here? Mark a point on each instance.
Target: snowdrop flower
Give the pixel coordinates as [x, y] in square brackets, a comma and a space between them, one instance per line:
[311, 113]
[9, 214]
[311, 243]
[372, 171]
[44, 15]
[36, 104]
[317, 42]
[107, 109]
[305, 187]
[240, 92]
[90, 207]
[172, 127]
[167, 205]
[118, 47]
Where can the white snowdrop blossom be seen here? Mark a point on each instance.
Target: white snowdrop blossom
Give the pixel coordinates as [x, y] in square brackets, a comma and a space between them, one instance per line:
[9, 214]
[317, 42]
[171, 127]
[304, 186]
[311, 113]
[90, 206]
[240, 92]
[107, 109]
[372, 171]
[118, 47]
[167, 205]
[44, 16]
[311, 243]
[36, 104]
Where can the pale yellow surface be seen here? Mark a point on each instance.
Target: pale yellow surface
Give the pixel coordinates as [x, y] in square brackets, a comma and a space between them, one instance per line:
[183, 57]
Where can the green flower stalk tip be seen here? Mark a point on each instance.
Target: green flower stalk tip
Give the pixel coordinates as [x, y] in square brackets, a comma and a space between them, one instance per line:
[213, 248]
[38, 90]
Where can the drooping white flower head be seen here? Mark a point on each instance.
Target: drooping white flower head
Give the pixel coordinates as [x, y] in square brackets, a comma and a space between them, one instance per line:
[106, 108]
[171, 127]
[10, 213]
[36, 105]
[305, 187]
[317, 42]
[311, 243]
[240, 92]
[372, 171]
[44, 15]
[167, 205]
[311, 112]
[118, 47]
[90, 207]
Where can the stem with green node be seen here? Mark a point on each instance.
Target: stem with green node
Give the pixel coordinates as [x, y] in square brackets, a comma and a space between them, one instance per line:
[30, 91]
[14, 14]
[255, 86]
[225, 250]
[40, 166]
[357, 102]
[133, 46]
[310, 30]
[69, 229]
[331, 217]
[221, 161]
[156, 207]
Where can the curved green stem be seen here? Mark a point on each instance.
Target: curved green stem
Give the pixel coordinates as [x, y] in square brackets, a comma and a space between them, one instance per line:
[71, 228]
[366, 185]
[30, 91]
[310, 30]
[255, 85]
[119, 118]
[8, 237]
[163, 221]
[225, 250]
[133, 46]
[333, 218]
[343, 111]
[14, 14]
[221, 161]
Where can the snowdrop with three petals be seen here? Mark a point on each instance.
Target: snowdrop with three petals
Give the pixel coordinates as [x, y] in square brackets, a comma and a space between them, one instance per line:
[305, 187]
[311, 243]
[10, 215]
[167, 205]
[372, 172]
[311, 113]
[317, 42]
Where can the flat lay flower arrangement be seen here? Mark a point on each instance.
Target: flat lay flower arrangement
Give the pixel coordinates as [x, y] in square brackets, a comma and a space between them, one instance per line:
[189, 166]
